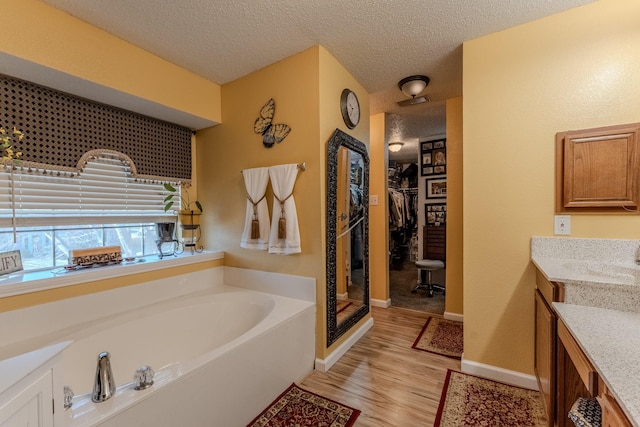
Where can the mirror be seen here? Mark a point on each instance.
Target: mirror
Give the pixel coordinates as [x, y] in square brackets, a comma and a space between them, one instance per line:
[347, 234]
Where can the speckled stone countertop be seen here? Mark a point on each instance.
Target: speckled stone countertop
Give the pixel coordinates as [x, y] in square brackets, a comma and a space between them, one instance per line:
[601, 306]
[611, 341]
[595, 272]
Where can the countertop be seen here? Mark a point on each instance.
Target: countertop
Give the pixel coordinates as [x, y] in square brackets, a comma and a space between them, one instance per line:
[611, 341]
[601, 308]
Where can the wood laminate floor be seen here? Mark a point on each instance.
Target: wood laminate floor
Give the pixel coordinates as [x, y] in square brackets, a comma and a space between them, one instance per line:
[382, 376]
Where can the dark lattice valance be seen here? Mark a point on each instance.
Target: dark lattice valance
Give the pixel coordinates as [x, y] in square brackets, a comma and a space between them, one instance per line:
[60, 128]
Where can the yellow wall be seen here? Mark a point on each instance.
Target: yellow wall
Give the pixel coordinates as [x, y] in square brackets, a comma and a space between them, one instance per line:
[573, 70]
[333, 79]
[43, 35]
[306, 88]
[454, 280]
[378, 215]
[48, 38]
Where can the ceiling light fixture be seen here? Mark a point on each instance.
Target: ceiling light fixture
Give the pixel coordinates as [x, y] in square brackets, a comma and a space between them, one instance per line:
[395, 146]
[413, 86]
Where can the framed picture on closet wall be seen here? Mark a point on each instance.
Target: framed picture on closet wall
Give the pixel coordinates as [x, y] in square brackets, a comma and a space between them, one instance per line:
[435, 214]
[433, 157]
[436, 188]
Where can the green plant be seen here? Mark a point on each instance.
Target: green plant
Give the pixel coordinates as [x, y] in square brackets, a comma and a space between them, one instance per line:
[5, 144]
[185, 203]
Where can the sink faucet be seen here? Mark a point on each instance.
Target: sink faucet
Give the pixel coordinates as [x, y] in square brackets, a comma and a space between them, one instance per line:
[104, 386]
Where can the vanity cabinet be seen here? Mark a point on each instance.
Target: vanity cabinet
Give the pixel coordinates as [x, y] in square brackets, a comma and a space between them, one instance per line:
[545, 342]
[563, 370]
[576, 377]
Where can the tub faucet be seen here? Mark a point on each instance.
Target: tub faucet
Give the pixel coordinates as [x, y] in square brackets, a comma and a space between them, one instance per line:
[104, 386]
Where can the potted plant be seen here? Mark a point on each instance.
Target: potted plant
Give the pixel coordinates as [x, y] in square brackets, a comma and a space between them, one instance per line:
[188, 216]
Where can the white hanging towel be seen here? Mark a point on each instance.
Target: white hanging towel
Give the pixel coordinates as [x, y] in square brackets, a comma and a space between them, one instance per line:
[256, 222]
[285, 235]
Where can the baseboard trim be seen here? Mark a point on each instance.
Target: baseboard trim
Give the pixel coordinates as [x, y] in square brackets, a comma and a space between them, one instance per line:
[342, 297]
[453, 316]
[499, 374]
[324, 365]
[381, 303]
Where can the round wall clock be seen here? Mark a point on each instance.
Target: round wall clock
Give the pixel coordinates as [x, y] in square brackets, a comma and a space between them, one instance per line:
[350, 108]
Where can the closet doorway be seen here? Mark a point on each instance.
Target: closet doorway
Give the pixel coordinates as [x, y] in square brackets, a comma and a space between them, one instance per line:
[411, 209]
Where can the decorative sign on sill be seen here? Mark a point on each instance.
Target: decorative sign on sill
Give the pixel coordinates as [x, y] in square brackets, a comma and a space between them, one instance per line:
[103, 255]
[9, 262]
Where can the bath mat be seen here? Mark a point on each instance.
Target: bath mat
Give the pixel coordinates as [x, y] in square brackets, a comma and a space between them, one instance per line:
[440, 336]
[298, 407]
[468, 400]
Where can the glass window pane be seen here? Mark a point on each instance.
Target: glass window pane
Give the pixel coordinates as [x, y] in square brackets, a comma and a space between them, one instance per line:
[36, 247]
[128, 238]
[150, 239]
[80, 238]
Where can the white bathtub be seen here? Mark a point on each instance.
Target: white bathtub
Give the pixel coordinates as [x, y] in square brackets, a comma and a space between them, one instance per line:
[215, 356]
[220, 355]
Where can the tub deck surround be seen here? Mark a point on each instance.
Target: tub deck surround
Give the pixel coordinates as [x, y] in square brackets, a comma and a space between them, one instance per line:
[14, 369]
[221, 353]
[26, 282]
[601, 308]
[31, 327]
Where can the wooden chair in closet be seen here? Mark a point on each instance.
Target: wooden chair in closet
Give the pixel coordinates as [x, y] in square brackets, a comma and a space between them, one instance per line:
[434, 257]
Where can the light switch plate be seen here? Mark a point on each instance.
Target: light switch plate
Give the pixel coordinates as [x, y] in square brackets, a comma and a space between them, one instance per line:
[373, 200]
[562, 225]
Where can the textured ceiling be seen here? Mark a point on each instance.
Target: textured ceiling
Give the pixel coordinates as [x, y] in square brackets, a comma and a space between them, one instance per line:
[378, 41]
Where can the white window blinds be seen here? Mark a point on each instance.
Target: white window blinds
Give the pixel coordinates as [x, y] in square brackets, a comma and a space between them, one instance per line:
[105, 192]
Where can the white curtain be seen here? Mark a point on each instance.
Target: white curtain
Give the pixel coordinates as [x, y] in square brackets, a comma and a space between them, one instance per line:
[285, 216]
[255, 181]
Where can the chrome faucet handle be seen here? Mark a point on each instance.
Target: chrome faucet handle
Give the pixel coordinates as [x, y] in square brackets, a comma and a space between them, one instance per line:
[143, 378]
[68, 397]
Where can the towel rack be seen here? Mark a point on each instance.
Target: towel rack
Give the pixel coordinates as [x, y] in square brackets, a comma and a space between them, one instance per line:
[302, 166]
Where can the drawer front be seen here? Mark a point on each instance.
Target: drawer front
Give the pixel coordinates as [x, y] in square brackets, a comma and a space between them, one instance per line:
[585, 370]
[549, 290]
[612, 414]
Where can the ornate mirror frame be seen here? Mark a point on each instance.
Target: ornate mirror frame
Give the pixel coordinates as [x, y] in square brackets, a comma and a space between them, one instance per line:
[341, 139]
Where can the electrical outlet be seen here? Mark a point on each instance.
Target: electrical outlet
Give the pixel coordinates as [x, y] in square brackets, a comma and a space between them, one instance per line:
[373, 200]
[562, 225]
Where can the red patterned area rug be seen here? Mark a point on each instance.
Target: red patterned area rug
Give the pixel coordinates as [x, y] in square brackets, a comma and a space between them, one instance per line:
[296, 407]
[440, 336]
[468, 400]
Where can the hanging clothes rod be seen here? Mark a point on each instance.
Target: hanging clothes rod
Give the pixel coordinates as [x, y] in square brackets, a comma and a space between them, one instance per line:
[302, 166]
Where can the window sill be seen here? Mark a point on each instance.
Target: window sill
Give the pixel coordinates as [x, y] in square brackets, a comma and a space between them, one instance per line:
[23, 283]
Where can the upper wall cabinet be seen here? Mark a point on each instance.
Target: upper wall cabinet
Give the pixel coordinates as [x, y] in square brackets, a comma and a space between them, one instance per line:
[597, 169]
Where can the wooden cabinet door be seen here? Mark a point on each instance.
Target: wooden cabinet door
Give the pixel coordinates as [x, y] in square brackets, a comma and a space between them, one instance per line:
[545, 353]
[598, 169]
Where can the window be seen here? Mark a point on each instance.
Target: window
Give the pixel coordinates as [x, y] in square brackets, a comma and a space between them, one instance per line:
[104, 205]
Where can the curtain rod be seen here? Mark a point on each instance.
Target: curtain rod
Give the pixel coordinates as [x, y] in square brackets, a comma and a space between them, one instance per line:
[302, 166]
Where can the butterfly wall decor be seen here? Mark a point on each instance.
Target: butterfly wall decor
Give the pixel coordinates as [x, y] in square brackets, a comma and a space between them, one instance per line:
[271, 133]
